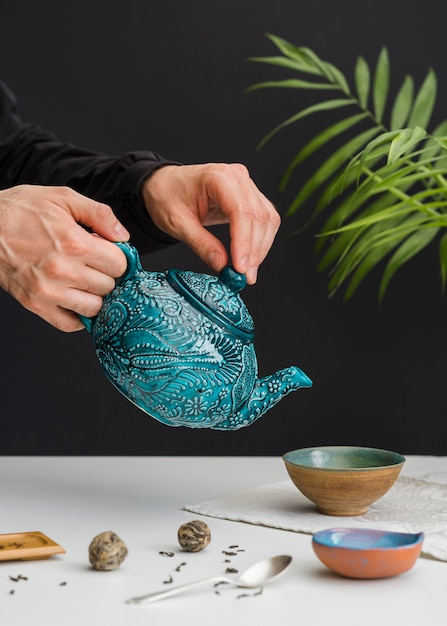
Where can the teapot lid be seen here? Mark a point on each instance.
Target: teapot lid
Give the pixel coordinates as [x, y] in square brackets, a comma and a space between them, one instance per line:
[216, 297]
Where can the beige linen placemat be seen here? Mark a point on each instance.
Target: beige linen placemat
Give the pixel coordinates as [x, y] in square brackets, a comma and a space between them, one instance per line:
[416, 502]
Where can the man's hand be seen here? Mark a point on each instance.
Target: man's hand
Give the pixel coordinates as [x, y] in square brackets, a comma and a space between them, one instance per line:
[183, 199]
[51, 264]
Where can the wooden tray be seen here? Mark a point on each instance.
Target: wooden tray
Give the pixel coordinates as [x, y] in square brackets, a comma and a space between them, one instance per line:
[27, 546]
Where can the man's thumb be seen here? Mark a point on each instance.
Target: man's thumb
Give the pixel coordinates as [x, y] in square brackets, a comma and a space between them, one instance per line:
[99, 218]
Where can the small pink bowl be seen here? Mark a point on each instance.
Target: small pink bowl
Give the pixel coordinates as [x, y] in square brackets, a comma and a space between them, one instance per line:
[367, 553]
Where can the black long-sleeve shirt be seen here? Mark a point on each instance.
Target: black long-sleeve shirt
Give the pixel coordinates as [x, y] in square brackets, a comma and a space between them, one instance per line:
[31, 155]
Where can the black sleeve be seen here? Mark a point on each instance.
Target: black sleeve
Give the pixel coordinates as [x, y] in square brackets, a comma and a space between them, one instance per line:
[30, 155]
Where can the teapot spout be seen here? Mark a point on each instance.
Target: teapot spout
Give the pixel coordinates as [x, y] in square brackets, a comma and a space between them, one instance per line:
[267, 392]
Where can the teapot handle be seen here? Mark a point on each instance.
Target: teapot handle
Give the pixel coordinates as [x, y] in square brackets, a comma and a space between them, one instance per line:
[133, 267]
[133, 260]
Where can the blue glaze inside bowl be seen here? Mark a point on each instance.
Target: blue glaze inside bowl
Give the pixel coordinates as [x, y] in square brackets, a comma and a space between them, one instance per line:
[366, 538]
[343, 457]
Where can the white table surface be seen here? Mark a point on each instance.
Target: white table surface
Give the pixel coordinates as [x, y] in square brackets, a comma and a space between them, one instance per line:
[72, 499]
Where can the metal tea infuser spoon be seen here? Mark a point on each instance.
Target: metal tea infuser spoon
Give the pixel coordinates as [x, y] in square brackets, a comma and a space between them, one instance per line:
[257, 575]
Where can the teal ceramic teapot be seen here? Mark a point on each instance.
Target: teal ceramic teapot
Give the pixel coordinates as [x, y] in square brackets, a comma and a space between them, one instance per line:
[179, 345]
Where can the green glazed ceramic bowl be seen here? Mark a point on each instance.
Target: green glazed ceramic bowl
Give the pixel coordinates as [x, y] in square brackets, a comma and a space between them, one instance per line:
[343, 480]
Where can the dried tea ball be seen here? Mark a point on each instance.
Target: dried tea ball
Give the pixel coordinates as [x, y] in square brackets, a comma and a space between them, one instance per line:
[194, 536]
[107, 551]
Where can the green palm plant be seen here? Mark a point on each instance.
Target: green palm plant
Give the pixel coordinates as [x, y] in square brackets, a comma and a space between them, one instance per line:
[382, 184]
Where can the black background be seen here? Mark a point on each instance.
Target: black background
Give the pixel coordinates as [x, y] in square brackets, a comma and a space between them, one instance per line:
[170, 76]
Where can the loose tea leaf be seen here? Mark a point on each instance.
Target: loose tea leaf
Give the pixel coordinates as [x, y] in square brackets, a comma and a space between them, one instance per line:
[179, 567]
[17, 578]
[248, 595]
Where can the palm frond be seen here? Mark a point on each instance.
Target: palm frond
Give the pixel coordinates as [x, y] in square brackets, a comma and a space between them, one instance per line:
[383, 187]
[402, 104]
[406, 251]
[381, 84]
[318, 142]
[291, 83]
[329, 168]
[362, 77]
[316, 108]
[424, 102]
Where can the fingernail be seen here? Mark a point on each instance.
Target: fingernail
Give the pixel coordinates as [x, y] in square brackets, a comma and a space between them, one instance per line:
[252, 275]
[215, 261]
[121, 233]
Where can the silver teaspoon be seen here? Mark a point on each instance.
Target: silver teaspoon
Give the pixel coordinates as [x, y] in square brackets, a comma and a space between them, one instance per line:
[257, 575]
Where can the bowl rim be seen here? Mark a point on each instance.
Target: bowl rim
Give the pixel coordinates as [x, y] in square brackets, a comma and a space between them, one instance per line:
[399, 458]
[322, 538]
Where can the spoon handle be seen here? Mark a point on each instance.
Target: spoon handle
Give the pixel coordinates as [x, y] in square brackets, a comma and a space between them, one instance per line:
[158, 595]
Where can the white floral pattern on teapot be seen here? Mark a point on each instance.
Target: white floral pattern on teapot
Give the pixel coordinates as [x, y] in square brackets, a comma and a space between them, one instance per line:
[179, 345]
